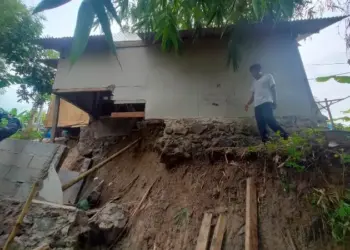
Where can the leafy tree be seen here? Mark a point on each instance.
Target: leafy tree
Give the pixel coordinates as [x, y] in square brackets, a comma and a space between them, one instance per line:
[167, 17]
[20, 58]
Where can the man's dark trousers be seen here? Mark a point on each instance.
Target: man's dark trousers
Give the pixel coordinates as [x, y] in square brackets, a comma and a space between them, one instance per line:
[264, 116]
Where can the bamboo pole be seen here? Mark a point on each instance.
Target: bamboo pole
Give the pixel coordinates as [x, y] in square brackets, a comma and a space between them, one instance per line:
[21, 215]
[98, 166]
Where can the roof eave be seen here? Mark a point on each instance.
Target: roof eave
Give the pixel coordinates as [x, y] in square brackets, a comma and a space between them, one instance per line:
[303, 28]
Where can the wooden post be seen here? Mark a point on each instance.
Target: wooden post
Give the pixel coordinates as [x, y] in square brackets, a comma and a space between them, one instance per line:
[219, 232]
[329, 113]
[204, 231]
[251, 218]
[56, 111]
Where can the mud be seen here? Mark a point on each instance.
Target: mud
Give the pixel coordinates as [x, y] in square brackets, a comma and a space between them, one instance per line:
[170, 217]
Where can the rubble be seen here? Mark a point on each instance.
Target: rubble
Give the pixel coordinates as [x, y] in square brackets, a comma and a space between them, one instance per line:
[108, 223]
[61, 227]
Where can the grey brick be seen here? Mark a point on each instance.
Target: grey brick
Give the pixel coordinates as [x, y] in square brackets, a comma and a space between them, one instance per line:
[39, 162]
[40, 149]
[23, 175]
[15, 159]
[4, 169]
[22, 191]
[8, 188]
[15, 146]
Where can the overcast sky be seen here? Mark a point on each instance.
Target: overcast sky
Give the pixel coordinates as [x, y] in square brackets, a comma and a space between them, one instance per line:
[327, 47]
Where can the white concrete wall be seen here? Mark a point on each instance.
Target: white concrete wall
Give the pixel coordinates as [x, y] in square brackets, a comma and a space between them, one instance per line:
[197, 83]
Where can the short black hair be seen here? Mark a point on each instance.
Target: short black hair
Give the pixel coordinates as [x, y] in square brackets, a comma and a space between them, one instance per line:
[255, 66]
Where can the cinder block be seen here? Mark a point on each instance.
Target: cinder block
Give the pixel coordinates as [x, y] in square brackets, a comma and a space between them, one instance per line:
[22, 175]
[39, 162]
[40, 149]
[12, 145]
[15, 159]
[8, 188]
[22, 191]
[4, 169]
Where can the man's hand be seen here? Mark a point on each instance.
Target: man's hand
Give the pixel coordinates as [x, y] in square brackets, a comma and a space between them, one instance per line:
[246, 107]
[274, 105]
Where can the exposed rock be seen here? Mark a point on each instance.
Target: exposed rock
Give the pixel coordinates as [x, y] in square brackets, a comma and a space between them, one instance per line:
[86, 165]
[180, 130]
[205, 144]
[198, 128]
[84, 149]
[224, 142]
[215, 141]
[198, 139]
[224, 127]
[187, 145]
[168, 131]
[73, 160]
[108, 223]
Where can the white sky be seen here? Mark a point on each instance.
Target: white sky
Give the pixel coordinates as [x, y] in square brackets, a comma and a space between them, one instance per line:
[327, 47]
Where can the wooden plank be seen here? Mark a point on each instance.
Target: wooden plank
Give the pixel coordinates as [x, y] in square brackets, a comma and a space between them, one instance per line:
[139, 114]
[56, 110]
[203, 237]
[251, 220]
[109, 88]
[219, 231]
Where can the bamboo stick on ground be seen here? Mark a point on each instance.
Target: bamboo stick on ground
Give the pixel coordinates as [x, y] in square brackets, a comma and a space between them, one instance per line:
[98, 166]
[21, 215]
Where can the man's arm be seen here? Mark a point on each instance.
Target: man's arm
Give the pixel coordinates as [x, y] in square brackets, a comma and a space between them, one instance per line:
[251, 100]
[273, 91]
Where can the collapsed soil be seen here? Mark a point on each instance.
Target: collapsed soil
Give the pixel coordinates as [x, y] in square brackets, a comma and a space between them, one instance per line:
[171, 216]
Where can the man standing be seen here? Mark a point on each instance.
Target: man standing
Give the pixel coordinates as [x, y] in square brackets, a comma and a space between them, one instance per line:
[264, 98]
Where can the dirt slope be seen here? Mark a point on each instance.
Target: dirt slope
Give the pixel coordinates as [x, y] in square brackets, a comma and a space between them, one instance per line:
[170, 217]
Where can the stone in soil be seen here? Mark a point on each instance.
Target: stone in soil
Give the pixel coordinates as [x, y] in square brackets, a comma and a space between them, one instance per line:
[198, 128]
[108, 223]
[84, 149]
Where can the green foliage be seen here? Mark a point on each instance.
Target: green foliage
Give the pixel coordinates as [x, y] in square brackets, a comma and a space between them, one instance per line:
[342, 127]
[49, 4]
[296, 150]
[182, 217]
[340, 79]
[82, 30]
[89, 9]
[24, 117]
[20, 58]
[27, 135]
[334, 206]
[166, 17]
[3, 122]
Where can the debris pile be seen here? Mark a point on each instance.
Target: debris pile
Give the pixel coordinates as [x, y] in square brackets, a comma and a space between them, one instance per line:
[61, 227]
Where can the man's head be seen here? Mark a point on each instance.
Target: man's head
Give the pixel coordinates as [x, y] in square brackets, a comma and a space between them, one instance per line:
[255, 70]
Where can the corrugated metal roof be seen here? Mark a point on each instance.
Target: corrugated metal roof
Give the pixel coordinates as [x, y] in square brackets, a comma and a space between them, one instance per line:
[303, 27]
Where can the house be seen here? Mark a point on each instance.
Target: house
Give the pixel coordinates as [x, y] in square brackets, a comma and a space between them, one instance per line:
[195, 84]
